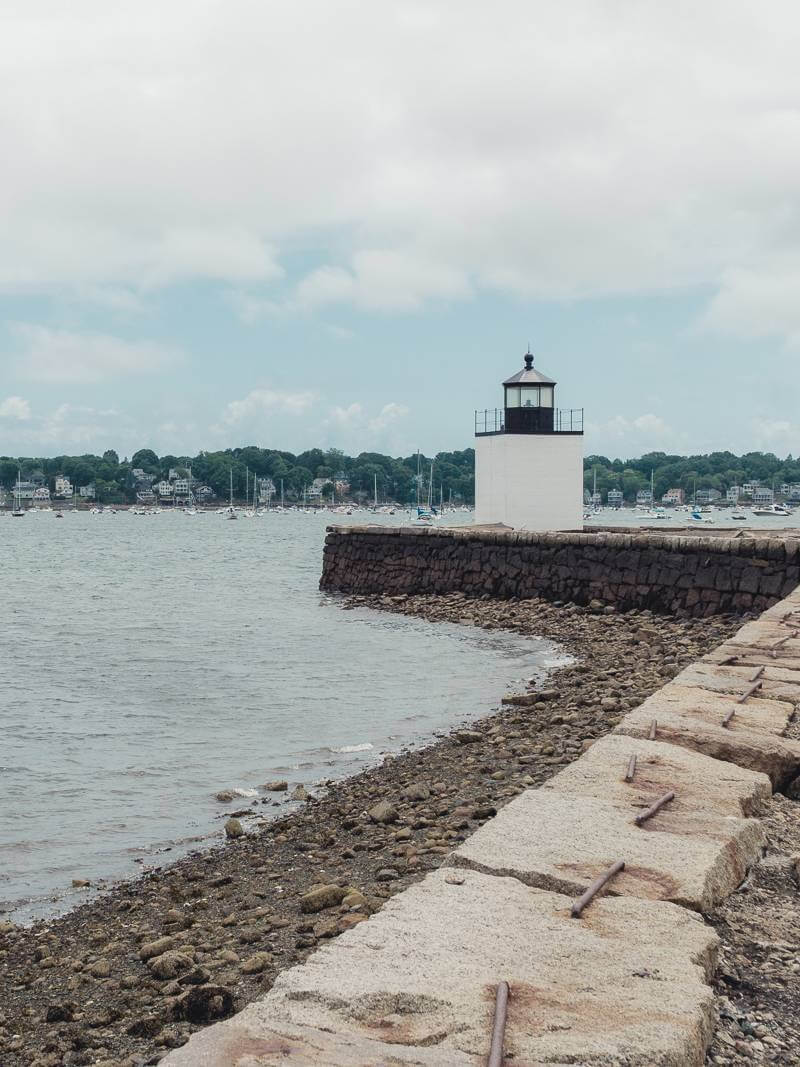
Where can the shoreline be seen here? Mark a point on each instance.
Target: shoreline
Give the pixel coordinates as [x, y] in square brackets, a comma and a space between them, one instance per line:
[79, 988]
[518, 656]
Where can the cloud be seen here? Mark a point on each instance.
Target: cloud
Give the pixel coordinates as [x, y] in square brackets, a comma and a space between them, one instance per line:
[423, 152]
[353, 426]
[68, 427]
[758, 302]
[78, 358]
[15, 407]
[266, 401]
[348, 417]
[776, 435]
[389, 414]
[642, 433]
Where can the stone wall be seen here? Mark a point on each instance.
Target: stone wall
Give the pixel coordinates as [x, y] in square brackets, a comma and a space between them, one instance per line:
[683, 574]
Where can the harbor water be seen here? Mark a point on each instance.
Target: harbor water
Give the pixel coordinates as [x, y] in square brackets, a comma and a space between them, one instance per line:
[151, 662]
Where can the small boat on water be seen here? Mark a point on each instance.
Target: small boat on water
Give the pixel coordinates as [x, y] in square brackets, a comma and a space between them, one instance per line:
[772, 509]
[230, 511]
[739, 515]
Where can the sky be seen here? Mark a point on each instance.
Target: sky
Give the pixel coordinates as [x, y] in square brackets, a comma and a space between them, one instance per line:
[305, 223]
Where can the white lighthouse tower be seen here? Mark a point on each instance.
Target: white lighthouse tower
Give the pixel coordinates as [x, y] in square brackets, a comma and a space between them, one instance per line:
[529, 457]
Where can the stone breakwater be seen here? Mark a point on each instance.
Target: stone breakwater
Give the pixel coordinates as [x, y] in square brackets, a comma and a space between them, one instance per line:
[94, 986]
[627, 982]
[675, 574]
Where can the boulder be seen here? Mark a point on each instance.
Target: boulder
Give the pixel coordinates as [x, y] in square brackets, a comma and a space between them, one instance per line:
[169, 965]
[321, 897]
[233, 829]
[383, 812]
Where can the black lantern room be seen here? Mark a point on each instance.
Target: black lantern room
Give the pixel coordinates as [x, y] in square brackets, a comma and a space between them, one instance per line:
[529, 401]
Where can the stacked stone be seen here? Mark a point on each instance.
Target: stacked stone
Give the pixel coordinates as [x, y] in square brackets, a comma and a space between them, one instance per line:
[682, 575]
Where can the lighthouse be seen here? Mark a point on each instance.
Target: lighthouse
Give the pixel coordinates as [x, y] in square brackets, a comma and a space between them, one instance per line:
[529, 457]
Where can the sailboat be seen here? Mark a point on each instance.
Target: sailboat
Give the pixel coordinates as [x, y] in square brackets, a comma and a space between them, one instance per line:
[231, 511]
[427, 514]
[18, 513]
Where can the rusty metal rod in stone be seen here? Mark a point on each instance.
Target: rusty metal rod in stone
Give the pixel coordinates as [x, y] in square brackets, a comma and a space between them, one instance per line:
[499, 1027]
[595, 888]
[758, 674]
[781, 641]
[748, 692]
[727, 720]
[653, 727]
[631, 768]
[648, 813]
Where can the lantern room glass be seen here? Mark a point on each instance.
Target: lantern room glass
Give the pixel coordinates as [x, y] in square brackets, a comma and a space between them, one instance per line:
[529, 396]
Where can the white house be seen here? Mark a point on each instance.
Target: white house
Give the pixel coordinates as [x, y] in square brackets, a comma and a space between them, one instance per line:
[63, 486]
[733, 494]
[762, 494]
[87, 492]
[615, 498]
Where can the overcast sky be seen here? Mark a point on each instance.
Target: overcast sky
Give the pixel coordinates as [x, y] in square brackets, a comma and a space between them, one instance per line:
[306, 222]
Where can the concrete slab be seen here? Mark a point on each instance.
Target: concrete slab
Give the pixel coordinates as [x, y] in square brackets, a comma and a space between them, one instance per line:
[703, 786]
[750, 656]
[693, 717]
[776, 682]
[562, 841]
[415, 985]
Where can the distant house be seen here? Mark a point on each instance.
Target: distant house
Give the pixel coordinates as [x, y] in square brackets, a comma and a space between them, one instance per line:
[203, 493]
[644, 497]
[733, 494]
[41, 495]
[615, 498]
[141, 478]
[316, 487]
[63, 486]
[762, 494]
[707, 496]
[673, 497]
[793, 491]
[145, 495]
[265, 489]
[181, 489]
[87, 491]
[749, 488]
[164, 490]
[24, 490]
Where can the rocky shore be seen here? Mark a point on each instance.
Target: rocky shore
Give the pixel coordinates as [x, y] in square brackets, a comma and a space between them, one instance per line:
[124, 978]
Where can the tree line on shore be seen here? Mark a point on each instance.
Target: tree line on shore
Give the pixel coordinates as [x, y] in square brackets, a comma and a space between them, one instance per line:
[454, 472]
[717, 470]
[114, 481]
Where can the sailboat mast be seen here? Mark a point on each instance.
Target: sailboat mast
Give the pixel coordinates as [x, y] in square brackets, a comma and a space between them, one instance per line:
[375, 476]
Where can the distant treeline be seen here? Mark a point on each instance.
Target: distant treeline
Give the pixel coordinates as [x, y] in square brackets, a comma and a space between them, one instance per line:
[719, 470]
[454, 472]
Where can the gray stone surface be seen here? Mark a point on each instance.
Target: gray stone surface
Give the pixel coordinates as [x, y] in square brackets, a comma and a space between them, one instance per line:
[561, 841]
[415, 985]
[693, 718]
[702, 785]
[776, 682]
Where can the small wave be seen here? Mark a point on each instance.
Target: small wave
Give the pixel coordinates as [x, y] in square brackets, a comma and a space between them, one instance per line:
[353, 748]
